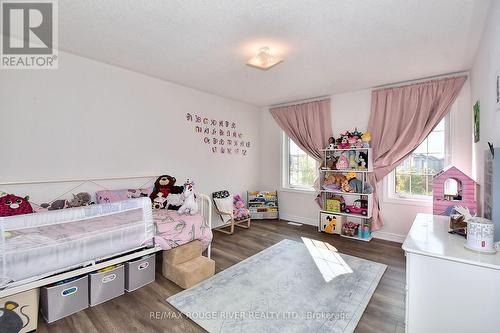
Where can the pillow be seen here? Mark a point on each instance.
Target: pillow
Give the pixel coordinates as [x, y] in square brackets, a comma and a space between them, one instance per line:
[224, 205]
[108, 196]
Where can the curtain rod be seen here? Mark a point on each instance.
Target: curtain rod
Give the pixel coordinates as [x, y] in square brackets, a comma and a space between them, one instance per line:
[302, 101]
[408, 82]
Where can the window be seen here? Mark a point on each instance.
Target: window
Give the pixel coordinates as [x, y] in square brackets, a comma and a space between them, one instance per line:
[412, 179]
[300, 169]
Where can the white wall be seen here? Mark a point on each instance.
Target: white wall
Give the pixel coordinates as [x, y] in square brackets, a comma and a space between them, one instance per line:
[89, 119]
[486, 65]
[351, 110]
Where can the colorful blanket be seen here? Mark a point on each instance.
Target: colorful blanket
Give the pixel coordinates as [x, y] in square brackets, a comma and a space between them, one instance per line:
[174, 230]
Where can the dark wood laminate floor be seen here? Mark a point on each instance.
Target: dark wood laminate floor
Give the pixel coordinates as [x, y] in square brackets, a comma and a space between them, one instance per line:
[145, 310]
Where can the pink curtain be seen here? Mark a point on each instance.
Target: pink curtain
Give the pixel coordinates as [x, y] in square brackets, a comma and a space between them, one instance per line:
[309, 125]
[401, 118]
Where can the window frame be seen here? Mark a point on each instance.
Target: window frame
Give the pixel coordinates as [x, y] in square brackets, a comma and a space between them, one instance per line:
[389, 182]
[285, 170]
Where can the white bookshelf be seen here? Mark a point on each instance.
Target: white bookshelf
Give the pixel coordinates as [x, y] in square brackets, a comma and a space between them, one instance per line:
[350, 198]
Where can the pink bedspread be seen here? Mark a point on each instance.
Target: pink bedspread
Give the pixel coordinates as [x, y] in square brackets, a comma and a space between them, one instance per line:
[174, 230]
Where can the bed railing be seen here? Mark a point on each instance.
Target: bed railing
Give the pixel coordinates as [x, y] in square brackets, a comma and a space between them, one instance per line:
[47, 191]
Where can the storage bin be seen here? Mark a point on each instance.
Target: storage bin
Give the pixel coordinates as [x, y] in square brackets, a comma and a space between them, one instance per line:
[331, 223]
[19, 312]
[139, 272]
[106, 285]
[65, 299]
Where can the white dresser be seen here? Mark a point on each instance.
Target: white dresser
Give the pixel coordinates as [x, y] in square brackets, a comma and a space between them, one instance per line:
[449, 288]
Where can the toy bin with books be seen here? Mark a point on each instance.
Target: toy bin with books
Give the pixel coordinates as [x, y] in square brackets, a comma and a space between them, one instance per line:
[263, 205]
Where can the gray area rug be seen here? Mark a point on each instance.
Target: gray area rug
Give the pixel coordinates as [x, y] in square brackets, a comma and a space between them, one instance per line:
[289, 287]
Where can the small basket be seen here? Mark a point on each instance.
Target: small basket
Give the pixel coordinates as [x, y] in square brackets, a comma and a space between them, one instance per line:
[457, 222]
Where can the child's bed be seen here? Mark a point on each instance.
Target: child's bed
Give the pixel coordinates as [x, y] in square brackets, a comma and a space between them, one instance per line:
[49, 246]
[37, 245]
[174, 230]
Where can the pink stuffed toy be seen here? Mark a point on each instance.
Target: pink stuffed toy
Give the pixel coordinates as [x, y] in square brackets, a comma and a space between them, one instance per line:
[240, 212]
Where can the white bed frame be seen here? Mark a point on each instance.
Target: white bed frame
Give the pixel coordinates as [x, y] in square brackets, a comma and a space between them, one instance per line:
[98, 263]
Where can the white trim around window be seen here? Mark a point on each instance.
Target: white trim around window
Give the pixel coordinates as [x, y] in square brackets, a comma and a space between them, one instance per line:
[285, 185]
[388, 183]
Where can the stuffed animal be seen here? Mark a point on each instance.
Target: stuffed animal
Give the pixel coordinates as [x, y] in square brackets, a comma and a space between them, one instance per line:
[352, 141]
[166, 185]
[334, 181]
[79, 200]
[174, 201]
[362, 161]
[345, 186]
[331, 143]
[353, 163]
[342, 162]
[159, 201]
[190, 206]
[331, 161]
[11, 205]
[55, 205]
[357, 185]
[240, 212]
[366, 138]
[343, 141]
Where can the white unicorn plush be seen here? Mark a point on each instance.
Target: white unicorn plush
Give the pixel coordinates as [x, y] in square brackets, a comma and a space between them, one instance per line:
[190, 205]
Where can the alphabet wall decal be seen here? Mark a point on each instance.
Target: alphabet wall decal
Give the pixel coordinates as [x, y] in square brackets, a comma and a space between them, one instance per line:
[221, 136]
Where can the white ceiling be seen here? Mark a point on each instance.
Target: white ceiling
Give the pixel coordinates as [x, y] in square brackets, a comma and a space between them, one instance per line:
[330, 46]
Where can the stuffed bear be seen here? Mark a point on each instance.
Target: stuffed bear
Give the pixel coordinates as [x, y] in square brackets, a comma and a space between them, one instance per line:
[166, 185]
[11, 205]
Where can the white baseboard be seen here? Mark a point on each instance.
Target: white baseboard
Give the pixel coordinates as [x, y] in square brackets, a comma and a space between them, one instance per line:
[389, 236]
[314, 222]
[299, 219]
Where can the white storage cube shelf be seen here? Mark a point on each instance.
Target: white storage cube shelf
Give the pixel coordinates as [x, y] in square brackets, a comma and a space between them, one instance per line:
[349, 197]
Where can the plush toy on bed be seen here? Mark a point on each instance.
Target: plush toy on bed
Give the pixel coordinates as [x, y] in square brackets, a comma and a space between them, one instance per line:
[190, 206]
[166, 186]
[240, 212]
[11, 205]
[79, 200]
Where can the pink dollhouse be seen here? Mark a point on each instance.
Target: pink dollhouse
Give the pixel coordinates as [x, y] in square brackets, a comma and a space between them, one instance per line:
[451, 187]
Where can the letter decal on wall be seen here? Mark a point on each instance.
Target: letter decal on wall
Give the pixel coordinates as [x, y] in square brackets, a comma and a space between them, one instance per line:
[214, 133]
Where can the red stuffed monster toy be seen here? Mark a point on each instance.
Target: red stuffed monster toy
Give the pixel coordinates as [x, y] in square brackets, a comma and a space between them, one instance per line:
[11, 205]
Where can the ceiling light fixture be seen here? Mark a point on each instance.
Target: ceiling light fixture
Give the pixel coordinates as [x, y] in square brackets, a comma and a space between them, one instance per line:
[264, 60]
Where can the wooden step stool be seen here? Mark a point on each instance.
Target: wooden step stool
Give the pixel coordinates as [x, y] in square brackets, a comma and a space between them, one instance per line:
[185, 266]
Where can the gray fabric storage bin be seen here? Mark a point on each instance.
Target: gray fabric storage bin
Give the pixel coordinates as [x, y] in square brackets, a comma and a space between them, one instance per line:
[139, 272]
[106, 285]
[63, 300]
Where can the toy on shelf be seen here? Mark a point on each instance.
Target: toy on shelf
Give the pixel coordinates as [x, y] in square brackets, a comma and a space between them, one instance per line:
[359, 206]
[342, 162]
[357, 185]
[348, 140]
[450, 188]
[343, 181]
[335, 204]
[331, 223]
[331, 143]
[350, 229]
